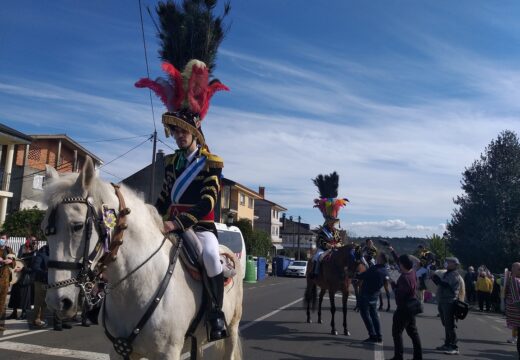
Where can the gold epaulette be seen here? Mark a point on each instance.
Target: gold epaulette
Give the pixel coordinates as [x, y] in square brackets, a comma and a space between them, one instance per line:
[212, 160]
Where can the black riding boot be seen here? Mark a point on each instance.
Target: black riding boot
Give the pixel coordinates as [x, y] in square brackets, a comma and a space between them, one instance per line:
[216, 318]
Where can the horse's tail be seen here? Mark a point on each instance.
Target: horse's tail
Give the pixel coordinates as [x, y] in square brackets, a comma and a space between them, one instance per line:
[311, 295]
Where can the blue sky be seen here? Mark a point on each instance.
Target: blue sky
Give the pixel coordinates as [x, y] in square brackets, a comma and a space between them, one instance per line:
[397, 96]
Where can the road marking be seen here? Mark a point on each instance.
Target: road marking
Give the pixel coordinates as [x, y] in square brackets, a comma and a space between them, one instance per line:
[35, 349]
[498, 329]
[29, 332]
[248, 325]
[261, 318]
[379, 353]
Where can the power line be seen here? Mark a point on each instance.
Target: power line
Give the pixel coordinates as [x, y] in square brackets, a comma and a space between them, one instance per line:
[120, 156]
[115, 139]
[166, 144]
[146, 61]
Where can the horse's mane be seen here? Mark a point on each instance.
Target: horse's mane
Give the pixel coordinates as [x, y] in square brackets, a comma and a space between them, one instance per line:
[56, 189]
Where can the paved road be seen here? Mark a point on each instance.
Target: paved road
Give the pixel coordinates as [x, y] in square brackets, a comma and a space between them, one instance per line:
[273, 327]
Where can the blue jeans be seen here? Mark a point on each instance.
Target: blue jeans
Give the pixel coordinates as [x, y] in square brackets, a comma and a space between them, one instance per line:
[368, 311]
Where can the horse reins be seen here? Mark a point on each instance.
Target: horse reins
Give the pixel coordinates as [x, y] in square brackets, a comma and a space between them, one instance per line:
[89, 272]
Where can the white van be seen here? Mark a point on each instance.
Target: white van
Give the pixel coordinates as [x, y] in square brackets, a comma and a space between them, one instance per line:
[231, 237]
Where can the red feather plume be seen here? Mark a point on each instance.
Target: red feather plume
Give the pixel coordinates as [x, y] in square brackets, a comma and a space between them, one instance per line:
[157, 88]
[197, 86]
[176, 80]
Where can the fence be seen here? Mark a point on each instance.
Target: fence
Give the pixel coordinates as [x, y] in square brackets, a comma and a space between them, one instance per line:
[15, 243]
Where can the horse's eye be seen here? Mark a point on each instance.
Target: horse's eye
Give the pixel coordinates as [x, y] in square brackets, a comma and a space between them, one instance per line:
[76, 226]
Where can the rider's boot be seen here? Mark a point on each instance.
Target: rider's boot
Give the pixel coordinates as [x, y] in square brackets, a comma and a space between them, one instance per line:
[216, 318]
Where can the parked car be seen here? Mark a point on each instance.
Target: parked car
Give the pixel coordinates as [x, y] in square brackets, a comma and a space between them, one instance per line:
[231, 237]
[297, 268]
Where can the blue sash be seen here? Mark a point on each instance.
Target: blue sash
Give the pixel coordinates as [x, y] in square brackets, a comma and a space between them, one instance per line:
[186, 178]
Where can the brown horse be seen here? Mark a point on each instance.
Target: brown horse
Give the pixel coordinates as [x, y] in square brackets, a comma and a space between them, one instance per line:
[336, 273]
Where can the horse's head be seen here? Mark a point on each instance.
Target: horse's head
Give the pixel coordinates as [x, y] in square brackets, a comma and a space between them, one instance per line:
[71, 226]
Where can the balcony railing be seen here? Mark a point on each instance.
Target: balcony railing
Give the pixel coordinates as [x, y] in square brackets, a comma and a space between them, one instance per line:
[4, 180]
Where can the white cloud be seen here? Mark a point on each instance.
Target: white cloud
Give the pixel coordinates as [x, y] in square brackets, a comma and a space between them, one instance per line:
[394, 227]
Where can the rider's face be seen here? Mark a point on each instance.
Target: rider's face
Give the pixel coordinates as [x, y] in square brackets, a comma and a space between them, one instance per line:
[182, 137]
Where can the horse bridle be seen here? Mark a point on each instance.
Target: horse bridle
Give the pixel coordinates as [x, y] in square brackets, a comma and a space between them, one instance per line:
[89, 270]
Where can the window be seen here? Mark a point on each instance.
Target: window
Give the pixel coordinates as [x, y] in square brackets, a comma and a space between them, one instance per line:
[277, 229]
[242, 199]
[34, 152]
[225, 197]
[273, 230]
[38, 182]
[250, 202]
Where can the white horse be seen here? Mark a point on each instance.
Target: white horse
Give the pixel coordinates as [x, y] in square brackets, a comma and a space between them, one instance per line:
[163, 336]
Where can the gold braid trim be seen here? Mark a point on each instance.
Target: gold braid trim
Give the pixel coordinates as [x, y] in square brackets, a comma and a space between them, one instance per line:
[210, 188]
[211, 199]
[189, 216]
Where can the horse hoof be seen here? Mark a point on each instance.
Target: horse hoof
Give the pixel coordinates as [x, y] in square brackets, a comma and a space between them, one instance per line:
[347, 333]
[334, 332]
[309, 321]
[320, 321]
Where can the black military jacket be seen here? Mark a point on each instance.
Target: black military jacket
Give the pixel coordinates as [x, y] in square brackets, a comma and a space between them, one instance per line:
[196, 206]
[325, 242]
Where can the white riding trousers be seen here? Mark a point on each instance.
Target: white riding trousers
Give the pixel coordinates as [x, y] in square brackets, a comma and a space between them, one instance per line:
[210, 253]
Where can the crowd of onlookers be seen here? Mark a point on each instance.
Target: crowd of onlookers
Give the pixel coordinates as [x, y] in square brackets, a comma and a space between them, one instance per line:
[26, 295]
[454, 296]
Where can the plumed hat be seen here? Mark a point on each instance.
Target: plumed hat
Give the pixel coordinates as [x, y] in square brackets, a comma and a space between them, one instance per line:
[190, 35]
[328, 203]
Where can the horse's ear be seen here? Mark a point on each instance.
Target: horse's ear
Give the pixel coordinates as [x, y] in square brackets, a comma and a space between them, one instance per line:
[51, 173]
[87, 175]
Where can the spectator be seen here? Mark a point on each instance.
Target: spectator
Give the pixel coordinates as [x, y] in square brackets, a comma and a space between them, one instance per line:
[421, 275]
[470, 280]
[484, 288]
[21, 291]
[513, 300]
[40, 270]
[5, 273]
[448, 288]
[372, 281]
[404, 290]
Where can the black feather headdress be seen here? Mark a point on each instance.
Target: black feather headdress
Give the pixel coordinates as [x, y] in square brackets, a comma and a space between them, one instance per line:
[328, 203]
[189, 34]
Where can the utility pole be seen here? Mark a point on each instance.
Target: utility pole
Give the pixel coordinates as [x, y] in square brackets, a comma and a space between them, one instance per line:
[299, 222]
[152, 177]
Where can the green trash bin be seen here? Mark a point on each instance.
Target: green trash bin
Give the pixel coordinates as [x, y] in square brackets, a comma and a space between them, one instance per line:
[250, 270]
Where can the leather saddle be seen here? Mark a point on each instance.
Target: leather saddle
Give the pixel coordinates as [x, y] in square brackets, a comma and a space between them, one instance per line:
[191, 256]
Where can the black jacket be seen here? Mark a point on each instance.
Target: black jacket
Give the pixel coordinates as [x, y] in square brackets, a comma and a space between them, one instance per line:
[39, 264]
[201, 195]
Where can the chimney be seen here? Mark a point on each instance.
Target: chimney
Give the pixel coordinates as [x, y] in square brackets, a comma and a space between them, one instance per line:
[261, 191]
[159, 156]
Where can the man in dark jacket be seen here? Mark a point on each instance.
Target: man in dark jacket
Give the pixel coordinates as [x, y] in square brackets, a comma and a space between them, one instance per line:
[470, 279]
[39, 268]
[448, 287]
[372, 281]
[404, 291]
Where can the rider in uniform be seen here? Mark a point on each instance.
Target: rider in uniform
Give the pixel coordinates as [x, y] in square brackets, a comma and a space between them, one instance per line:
[370, 252]
[192, 174]
[329, 236]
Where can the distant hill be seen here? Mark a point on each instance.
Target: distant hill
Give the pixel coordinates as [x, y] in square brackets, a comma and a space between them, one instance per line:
[406, 245]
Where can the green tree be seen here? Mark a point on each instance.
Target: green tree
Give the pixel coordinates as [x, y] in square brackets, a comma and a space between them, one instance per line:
[439, 246]
[485, 227]
[25, 223]
[258, 242]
